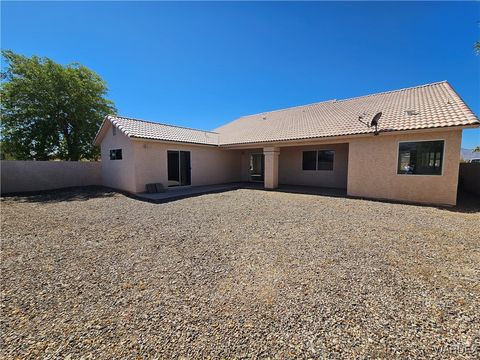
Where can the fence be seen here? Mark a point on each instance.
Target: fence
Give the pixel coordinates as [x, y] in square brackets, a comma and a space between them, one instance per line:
[470, 177]
[24, 176]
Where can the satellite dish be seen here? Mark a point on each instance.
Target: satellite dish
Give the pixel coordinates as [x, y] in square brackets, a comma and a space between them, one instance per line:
[375, 119]
[373, 123]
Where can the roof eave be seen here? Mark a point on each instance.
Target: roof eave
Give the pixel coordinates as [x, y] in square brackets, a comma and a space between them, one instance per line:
[101, 132]
[137, 138]
[339, 138]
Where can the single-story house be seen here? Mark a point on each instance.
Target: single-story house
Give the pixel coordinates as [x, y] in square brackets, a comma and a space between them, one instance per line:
[396, 145]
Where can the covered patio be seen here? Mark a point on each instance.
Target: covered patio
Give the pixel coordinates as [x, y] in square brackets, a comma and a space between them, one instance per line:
[312, 165]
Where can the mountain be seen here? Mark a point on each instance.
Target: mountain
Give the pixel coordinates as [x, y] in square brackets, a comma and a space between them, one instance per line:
[468, 154]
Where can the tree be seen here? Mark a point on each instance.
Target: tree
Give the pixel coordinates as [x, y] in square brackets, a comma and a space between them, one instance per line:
[50, 111]
[477, 149]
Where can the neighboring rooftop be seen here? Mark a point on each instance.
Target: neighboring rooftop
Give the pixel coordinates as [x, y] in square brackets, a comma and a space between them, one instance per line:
[434, 105]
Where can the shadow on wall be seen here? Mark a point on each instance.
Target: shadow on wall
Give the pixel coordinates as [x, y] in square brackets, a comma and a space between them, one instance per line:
[66, 194]
[469, 177]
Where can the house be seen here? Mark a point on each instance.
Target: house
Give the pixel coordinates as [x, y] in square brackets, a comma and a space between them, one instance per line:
[413, 155]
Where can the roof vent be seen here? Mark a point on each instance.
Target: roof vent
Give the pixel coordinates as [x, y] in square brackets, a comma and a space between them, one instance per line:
[411, 112]
[264, 118]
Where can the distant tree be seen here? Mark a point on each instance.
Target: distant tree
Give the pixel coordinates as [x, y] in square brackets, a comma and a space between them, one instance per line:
[50, 111]
[3, 154]
[477, 149]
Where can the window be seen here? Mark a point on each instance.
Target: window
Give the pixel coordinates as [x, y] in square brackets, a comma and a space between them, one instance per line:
[116, 154]
[420, 158]
[325, 159]
[114, 130]
[309, 160]
[318, 160]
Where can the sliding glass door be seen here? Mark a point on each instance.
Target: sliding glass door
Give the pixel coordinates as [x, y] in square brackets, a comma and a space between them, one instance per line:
[179, 173]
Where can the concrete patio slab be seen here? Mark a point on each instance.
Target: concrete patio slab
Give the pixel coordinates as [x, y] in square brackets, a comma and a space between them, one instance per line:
[178, 193]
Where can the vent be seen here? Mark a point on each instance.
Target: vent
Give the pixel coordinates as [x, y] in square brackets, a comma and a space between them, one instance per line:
[411, 112]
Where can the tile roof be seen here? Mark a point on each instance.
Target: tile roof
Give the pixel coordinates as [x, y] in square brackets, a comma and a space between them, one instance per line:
[136, 128]
[435, 105]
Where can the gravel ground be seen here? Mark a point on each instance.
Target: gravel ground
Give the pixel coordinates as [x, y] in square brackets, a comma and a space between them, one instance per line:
[240, 274]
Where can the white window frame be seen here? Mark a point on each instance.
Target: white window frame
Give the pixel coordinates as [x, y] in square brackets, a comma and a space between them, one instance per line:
[419, 175]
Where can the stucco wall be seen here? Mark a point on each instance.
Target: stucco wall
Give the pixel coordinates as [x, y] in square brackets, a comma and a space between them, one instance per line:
[372, 169]
[25, 176]
[118, 174]
[209, 165]
[291, 172]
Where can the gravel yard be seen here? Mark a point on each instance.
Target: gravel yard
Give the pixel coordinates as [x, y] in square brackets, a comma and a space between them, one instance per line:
[244, 273]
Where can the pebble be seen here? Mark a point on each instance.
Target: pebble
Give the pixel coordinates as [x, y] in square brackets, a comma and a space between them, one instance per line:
[93, 274]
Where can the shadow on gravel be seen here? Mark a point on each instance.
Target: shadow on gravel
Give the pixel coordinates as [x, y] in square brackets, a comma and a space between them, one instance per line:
[67, 194]
[312, 190]
[466, 203]
[186, 193]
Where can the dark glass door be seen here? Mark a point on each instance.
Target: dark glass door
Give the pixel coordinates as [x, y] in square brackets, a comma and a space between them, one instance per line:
[257, 164]
[185, 173]
[179, 173]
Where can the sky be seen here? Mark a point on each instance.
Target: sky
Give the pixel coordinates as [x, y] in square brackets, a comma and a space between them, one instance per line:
[204, 64]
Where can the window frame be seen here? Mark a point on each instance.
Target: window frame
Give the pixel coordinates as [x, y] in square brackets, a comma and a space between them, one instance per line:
[316, 159]
[333, 160]
[110, 154]
[417, 141]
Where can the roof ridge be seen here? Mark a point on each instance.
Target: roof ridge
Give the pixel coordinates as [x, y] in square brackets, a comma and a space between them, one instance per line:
[394, 91]
[347, 99]
[289, 107]
[158, 123]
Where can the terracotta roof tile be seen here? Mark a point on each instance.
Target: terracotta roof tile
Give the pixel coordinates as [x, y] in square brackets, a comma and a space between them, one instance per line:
[435, 105]
[151, 130]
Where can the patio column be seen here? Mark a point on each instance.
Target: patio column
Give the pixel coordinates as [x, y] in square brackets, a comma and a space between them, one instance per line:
[271, 167]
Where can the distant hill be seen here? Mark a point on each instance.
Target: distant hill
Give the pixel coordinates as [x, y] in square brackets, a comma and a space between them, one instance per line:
[468, 154]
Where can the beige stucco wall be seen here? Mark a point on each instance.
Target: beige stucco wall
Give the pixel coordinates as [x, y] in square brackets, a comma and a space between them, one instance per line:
[24, 176]
[367, 166]
[209, 165]
[271, 155]
[372, 169]
[118, 174]
[291, 172]
[145, 162]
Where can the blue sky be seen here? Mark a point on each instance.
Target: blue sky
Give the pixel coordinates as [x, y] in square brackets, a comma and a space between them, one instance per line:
[204, 64]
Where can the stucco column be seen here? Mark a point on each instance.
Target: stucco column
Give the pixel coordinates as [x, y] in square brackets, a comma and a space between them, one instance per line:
[271, 167]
